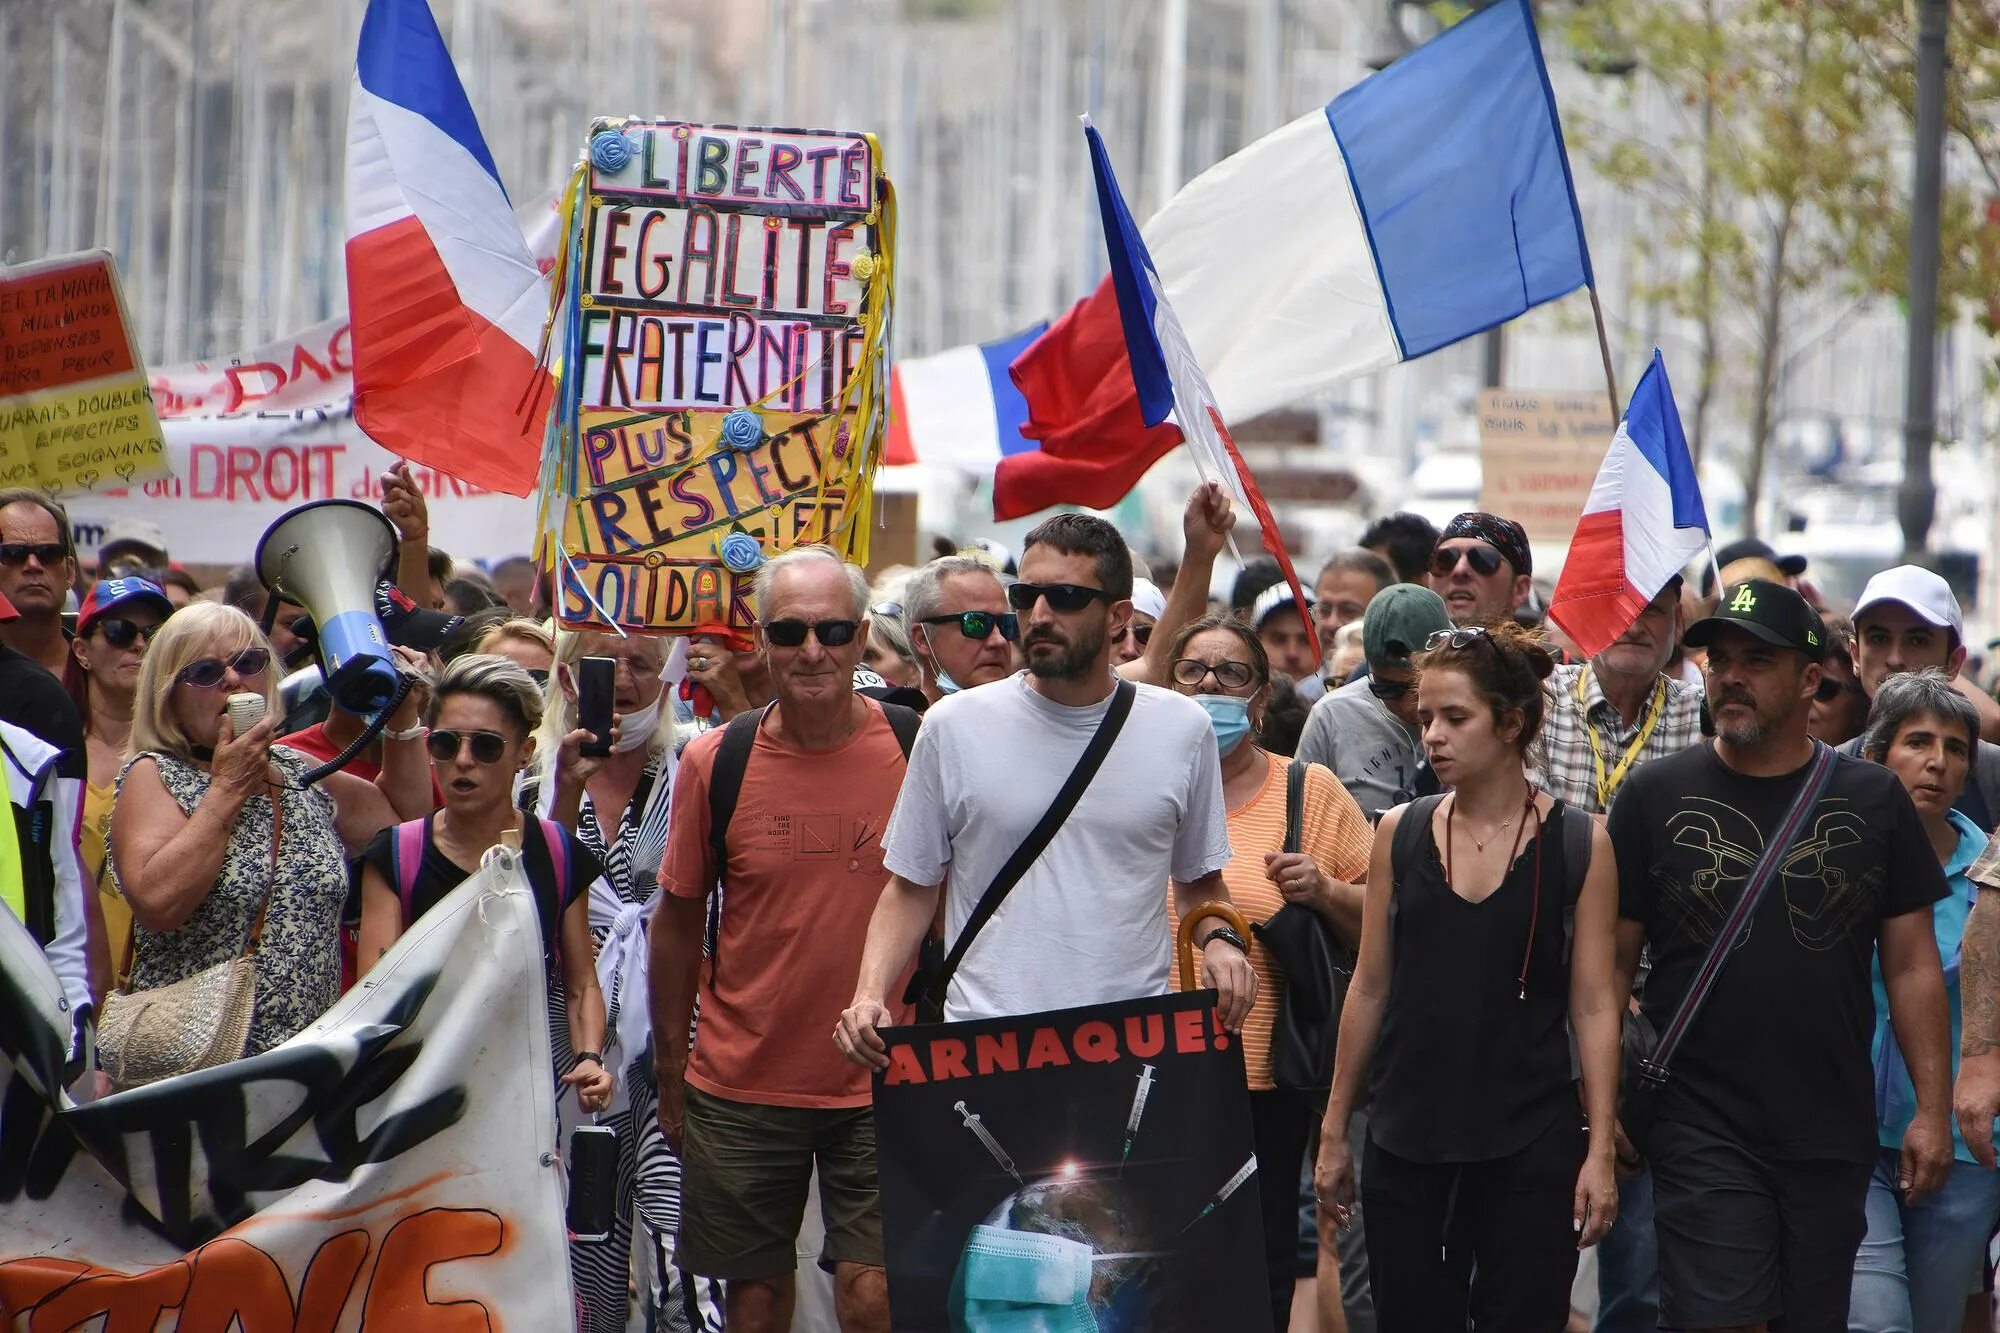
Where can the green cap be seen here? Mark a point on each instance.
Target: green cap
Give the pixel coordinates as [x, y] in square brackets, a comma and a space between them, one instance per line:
[1398, 620]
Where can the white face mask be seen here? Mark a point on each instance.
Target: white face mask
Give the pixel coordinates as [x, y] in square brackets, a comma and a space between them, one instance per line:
[1023, 1282]
[636, 729]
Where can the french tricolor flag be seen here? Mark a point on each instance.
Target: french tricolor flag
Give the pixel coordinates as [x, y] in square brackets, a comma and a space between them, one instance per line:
[1643, 523]
[446, 302]
[959, 409]
[1425, 204]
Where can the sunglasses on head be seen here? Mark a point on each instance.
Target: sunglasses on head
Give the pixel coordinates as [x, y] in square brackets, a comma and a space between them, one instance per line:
[17, 553]
[889, 609]
[207, 673]
[124, 633]
[830, 633]
[980, 624]
[487, 746]
[1483, 559]
[1388, 691]
[1062, 596]
[1455, 638]
[1229, 675]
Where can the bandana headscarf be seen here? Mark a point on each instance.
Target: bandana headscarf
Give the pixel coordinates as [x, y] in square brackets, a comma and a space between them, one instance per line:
[1502, 534]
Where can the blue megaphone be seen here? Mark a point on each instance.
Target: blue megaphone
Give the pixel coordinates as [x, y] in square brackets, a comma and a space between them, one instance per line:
[328, 556]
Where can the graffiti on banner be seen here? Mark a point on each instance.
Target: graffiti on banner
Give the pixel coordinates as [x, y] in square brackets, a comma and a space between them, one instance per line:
[75, 411]
[1132, 1207]
[725, 295]
[390, 1167]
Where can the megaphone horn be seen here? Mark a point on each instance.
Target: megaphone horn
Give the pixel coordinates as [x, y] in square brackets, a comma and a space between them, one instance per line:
[328, 556]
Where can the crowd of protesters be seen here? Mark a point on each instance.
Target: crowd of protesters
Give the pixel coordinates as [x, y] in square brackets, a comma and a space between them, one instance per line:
[1522, 858]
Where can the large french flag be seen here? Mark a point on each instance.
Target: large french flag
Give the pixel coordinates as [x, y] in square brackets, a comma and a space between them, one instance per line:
[959, 409]
[1643, 523]
[1426, 204]
[446, 302]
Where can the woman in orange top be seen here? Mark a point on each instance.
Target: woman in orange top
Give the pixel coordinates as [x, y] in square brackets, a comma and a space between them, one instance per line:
[1220, 663]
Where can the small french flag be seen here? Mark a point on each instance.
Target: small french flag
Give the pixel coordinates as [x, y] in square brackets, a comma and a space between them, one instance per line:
[958, 408]
[447, 304]
[1643, 523]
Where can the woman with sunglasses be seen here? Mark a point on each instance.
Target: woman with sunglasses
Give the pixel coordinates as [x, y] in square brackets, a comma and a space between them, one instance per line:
[118, 619]
[1219, 662]
[212, 832]
[481, 721]
[1479, 939]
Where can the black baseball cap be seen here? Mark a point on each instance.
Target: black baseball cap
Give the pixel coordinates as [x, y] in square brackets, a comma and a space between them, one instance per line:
[408, 625]
[1771, 611]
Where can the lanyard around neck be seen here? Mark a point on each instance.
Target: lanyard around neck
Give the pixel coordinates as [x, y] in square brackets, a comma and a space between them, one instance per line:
[1607, 787]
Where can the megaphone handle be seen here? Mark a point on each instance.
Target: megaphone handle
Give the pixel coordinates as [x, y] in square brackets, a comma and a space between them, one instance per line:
[404, 684]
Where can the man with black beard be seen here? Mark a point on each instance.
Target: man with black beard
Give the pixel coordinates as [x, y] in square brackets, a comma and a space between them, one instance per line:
[1765, 1135]
[1087, 924]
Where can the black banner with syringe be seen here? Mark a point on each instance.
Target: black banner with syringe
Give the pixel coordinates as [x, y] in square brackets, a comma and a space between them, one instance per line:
[1083, 1169]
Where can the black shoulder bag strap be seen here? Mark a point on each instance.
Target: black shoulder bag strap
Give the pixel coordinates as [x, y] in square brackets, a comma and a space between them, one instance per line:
[1295, 805]
[1776, 849]
[725, 784]
[1411, 830]
[1037, 842]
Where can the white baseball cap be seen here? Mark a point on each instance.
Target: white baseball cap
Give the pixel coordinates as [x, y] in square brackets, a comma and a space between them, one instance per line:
[1922, 590]
[1147, 599]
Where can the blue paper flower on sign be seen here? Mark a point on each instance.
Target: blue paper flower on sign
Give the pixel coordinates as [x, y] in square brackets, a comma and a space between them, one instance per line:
[610, 151]
[742, 429]
[740, 552]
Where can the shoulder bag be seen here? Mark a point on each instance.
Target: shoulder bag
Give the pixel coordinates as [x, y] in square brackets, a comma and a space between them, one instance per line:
[1648, 1056]
[196, 1022]
[928, 986]
[1317, 968]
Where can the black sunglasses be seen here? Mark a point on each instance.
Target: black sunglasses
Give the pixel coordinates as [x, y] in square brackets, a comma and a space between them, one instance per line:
[207, 673]
[17, 553]
[1388, 691]
[1229, 675]
[830, 633]
[1062, 597]
[487, 746]
[125, 633]
[1483, 559]
[1142, 635]
[1455, 638]
[980, 624]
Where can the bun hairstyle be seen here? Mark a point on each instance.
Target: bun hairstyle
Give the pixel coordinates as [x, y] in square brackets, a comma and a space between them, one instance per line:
[1506, 665]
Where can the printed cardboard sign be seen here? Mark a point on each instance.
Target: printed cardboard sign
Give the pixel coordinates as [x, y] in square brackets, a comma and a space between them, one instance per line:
[76, 413]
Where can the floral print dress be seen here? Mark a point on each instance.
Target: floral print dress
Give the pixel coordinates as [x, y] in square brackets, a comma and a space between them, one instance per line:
[298, 959]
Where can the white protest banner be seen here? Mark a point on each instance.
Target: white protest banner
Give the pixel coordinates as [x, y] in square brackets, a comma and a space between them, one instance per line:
[1538, 455]
[391, 1167]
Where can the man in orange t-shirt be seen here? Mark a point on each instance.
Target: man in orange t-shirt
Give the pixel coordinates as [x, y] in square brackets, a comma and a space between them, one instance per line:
[764, 1095]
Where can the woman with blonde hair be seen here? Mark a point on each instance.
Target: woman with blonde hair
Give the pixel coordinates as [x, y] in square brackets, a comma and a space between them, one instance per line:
[528, 644]
[214, 838]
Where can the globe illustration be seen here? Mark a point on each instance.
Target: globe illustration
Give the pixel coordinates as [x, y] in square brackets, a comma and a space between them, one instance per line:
[1095, 1210]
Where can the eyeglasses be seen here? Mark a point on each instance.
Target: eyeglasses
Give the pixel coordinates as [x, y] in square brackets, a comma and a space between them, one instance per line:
[1229, 675]
[124, 633]
[980, 624]
[1142, 634]
[1063, 597]
[1831, 688]
[17, 553]
[487, 746]
[1388, 691]
[207, 673]
[1455, 638]
[1483, 559]
[830, 633]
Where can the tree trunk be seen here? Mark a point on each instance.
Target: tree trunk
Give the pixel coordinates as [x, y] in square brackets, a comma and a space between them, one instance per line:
[1770, 349]
[1704, 297]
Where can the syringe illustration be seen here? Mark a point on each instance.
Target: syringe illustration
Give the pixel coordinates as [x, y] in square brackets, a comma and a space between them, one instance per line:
[980, 1132]
[1234, 1183]
[1138, 1110]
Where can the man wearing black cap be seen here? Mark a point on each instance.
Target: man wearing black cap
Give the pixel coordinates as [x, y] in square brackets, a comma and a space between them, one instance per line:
[1483, 568]
[1765, 1133]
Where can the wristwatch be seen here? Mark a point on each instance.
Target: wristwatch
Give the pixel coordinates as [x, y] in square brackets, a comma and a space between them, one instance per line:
[1227, 936]
[591, 1056]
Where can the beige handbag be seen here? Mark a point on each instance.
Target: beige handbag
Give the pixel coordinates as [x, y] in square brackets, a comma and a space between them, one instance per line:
[194, 1023]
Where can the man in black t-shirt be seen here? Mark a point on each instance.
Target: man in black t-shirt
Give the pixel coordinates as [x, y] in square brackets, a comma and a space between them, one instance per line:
[1766, 1132]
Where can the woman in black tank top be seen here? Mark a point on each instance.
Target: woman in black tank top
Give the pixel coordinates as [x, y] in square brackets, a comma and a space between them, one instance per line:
[1481, 948]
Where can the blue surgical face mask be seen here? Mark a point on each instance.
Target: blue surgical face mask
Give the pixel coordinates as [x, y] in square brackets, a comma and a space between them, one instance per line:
[1229, 715]
[1023, 1282]
[945, 684]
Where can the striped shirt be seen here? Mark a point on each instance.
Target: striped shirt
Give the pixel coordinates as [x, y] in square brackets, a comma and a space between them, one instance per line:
[1333, 831]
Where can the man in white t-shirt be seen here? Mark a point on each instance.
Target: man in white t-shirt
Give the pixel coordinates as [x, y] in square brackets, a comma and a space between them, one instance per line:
[1087, 923]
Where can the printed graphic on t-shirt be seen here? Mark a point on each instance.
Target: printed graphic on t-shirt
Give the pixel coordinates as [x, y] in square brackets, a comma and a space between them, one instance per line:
[817, 836]
[1823, 899]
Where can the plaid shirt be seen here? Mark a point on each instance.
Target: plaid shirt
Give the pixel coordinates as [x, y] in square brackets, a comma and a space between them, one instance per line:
[1563, 765]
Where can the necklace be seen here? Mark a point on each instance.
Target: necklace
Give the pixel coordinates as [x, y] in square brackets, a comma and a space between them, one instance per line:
[1478, 843]
[1451, 815]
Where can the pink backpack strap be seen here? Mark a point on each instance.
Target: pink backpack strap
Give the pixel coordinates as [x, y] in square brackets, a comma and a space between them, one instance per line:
[556, 839]
[408, 858]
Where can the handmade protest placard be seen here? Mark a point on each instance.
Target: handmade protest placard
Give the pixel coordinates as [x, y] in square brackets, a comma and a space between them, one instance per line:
[1088, 1168]
[721, 321]
[1539, 453]
[75, 410]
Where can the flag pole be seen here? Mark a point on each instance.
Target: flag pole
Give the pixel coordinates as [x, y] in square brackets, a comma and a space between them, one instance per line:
[1604, 350]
